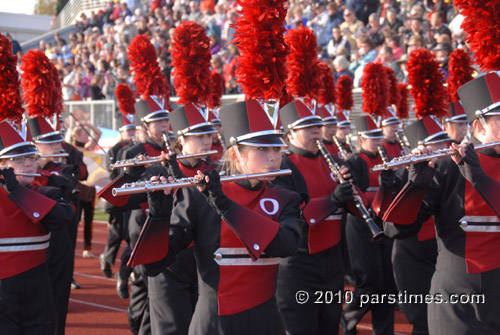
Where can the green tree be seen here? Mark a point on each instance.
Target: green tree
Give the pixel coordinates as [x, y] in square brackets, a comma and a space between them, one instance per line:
[45, 7]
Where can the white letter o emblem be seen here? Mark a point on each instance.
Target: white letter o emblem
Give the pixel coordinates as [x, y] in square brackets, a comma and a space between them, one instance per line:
[274, 202]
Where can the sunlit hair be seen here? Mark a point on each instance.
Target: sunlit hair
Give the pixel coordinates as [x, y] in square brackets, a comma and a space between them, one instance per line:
[230, 161]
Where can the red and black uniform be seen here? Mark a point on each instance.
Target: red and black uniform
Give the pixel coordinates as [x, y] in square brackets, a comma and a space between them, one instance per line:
[27, 217]
[414, 262]
[237, 271]
[173, 292]
[317, 264]
[370, 262]
[332, 149]
[220, 151]
[392, 148]
[467, 261]
[61, 253]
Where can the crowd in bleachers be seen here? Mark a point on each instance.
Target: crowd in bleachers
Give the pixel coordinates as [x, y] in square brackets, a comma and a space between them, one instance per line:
[350, 34]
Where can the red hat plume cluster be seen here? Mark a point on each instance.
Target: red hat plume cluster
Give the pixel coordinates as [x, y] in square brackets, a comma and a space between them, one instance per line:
[303, 80]
[327, 94]
[38, 84]
[460, 71]
[375, 84]
[482, 25]
[125, 97]
[216, 89]
[148, 79]
[191, 62]
[394, 93]
[11, 105]
[426, 80]
[259, 33]
[403, 108]
[344, 96]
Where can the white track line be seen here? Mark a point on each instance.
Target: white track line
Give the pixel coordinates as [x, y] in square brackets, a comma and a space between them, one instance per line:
[97, 305]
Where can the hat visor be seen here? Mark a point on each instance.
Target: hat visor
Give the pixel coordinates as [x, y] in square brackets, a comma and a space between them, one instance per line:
[127, 127]
[47, 139]
[437, 138]
[264, 141]
[312, 121]
[24, 149]
[206, 129]
[156, 116]
[376, 133]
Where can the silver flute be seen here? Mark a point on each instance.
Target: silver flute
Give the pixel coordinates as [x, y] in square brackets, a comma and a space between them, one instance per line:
[152, 186]
[155, 159]
[418, 158]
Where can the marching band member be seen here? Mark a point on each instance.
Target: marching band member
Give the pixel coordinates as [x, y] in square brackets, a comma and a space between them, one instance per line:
[462, 189]
[456, 125]
[239, 229]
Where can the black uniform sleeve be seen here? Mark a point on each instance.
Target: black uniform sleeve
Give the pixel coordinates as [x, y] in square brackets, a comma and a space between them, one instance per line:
[61, 214]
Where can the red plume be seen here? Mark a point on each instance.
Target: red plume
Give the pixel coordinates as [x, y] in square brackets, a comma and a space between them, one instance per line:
[38, 83]
[375, 84]
[460, 70]
[259, 34]
[303, 79]
[148, 78]
[394, 94]
[216, 89]
[191, 62]
[57, 97]
[328, 94]
[482, 25]
[403, 108]
[285, 97]
[125, 97]
[11, 105]
[426, 80]
[344, 85]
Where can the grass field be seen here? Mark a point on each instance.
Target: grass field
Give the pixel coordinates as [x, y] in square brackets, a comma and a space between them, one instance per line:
[100, 215]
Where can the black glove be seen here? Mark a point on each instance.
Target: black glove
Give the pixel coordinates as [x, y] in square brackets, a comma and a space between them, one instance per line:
[160, 205]
[213, 192]
[9, 179]
[342, 194]
[470, 167]
[173, 167]
[421, 174]
[386, 178]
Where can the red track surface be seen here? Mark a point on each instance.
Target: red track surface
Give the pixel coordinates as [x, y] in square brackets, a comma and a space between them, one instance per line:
[96, 309]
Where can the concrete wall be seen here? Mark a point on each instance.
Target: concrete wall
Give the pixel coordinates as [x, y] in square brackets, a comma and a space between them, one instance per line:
[23, 27]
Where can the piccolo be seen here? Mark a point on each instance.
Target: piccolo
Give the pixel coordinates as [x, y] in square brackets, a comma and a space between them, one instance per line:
[152, 186]
[376, 232]
[155, 159]
[419, 158]
[27, 174]
[60, 155]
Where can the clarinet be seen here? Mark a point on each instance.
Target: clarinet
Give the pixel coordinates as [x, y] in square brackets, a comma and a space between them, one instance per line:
[383, 154]
[341, 148]
[402, 143]
[377, 233]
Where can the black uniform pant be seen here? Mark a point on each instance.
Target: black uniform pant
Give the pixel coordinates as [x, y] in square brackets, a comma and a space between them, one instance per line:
[372, 271]
[61, 262]
[27, 304]
[87, 208]
[118, 232]
[474, 307]
[172, 300]
[314, 274]
[414, 263]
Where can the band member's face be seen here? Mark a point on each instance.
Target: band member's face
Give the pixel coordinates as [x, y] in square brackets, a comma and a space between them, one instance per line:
[218, 127]
[305, 138]
[157, 128]
[328, 131]
[128, 134]
[21, 164]
[490, 132]
[342, 133]
[390, 131]
[261, 159]
[370, 144]
[49, 148]
[456, 130]
[194, 144]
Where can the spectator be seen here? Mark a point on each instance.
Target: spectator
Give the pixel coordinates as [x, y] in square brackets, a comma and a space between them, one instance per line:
[341, 66]
[392, 40]
[194, 12]
[297, 19]
[334, 15]
[437, 25]
[229, 69]
[375, 29]
[366, 54]
[415, 42]
[215, 45]
[351, 28]
[442, 52]
[338, 41]
[416, 29]
[320, 24]
[356, 6]
[392, 21]
[124, 10]
[386, 58]
[68, 84]
[384, 7]
[96, 87]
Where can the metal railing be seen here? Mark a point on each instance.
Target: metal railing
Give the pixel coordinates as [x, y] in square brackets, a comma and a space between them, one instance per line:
[72, 10]
[104, 113]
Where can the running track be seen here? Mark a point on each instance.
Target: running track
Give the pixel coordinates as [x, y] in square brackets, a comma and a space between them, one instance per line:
[96, 309]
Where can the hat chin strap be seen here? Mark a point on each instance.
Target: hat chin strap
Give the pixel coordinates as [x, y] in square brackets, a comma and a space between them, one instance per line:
[240, 160]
